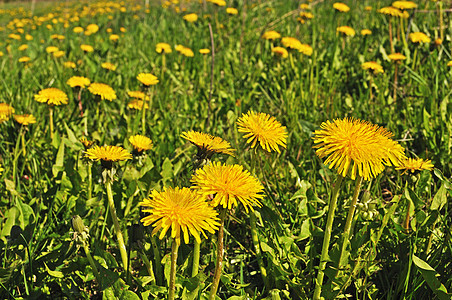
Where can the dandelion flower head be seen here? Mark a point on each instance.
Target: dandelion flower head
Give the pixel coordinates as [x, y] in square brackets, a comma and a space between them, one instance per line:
[347, 30]
[374, 66]
[390, 11]
[291, 42]
[404, 4]
[204, 51]
[415, 164]
[107, 153]
[52, 96]
[419, 37]
[108, 66]
[357, 147]
[230, 184]
[184, 51]
[6, 111]
[137, 104]
[78, 81]
[396, 56]
[104, 91]
[25, 119]
[280, 51]
[147, 79]
[342, 7]
[163, 48]
[191, 18]
[232, 11]
[208, 144]
[140, 143]
[138, 95]
[87, 48]
[366, 32]
[87, 143]
[271, 35]
[182, 210]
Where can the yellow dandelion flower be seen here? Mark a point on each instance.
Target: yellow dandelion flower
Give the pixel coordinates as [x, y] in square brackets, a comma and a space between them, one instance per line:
[230, 184]
[91, 28]
[404, 4]
[232, 11]
[147, 79]
[449, 63]
[180, 209]
[58, 54]
[396, 56]
[438, 42]
[357, 147]
[108, 66]
[25, 119]
[137, 104]
[122, 29]
[23, 47]
[368, 8]
[6, 111]
[419, 37]
[191, 18]
[347, 30]
[69, 64]
[108, 153]
[280, 51]
[390, 11]
[87, 143]
[305, 49]
[304, 6]
[204, 51]
[51, 49]
[138, 94]
[24, 59]
[1, 53]
[208, 144]
[103, 90]
[306, 15]
[113, 37]
[163, 47]
[263, 128]
[415, 164]
[78, 29]
[291, 42]
[342, 7]
[218, 2]
[52, 96]
[1, 169]
[78, 81]
[140, 143]
[184, 51]
[374, 66]
[28, 37]
[87, 48]
[366, 32]
[271, 35]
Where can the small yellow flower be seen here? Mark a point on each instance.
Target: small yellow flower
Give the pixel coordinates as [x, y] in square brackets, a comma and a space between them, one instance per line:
[280, 51]
[342, 7]
[230, 184]
[25, 119]
[347, 30]
[184, 51]
[137, 104]
[91, 28]
[263, 128]
[291, 42]
[419, 37]
[78, 29]
[271, 35]
[87, 143]
[58, 54]
[163, 47]
[218, 2]
[69, 64]
[52, 96]
[396, 56]
[78, 81]
[147, 79]
[51, 49]
[305, 49]
[208, 144]
[232, 11]
[108, 66]
[87, 48]
[304, 6]
[23, 47]
[113, 37]
[368, 8]
[404, 4]
[140, 143]
[204, 51]
[191, 18]
[415, 164]
[449, 63]
[24, 59]
[104, 91]
[374, 66]
[390, 11]
[6, 111]
[138, 94]
[365, 32]
[182, 210]
[107, 153]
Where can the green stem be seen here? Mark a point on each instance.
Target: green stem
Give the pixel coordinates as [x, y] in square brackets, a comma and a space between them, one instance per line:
[111, 204]
[326, 238]
[348, 222]
[91, 262]
[22, 137]
[90, 180]
[143, 118]
[196, 251]
[158, 261]
[414, 58]
[257, 247]
[51, 121]
[220, 254]
[172, 283]
[148, 265]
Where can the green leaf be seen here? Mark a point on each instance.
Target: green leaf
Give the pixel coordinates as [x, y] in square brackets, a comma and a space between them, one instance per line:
[57, 274]
[10, 215]
[430, 275]
[440, 198]
[59, 162]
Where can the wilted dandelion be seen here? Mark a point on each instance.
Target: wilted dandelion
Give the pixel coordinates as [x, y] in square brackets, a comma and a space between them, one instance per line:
[262, 128]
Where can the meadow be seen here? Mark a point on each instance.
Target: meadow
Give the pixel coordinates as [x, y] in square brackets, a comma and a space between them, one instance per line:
[215, 149]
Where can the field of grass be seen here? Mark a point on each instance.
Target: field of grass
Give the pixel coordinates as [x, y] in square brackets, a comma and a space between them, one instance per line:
[74, 220]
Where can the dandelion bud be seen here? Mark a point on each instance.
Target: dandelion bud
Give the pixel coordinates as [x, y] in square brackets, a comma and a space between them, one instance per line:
[77, 224]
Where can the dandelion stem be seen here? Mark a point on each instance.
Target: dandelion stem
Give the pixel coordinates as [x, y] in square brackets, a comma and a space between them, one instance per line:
[172, 283]
[220, 254]
[90, 180]
[22, 137]
[195, 265]
[148, 265]
[326, 238]
[257, 247]
[414, 59]
[390, 35]
[209, 104]
[91, 262]
[348, 222]
[158, 261]
[111, 204]
[394, 96]
[51, 121]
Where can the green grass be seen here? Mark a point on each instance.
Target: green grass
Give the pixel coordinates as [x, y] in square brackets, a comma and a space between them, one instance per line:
[41, 191]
